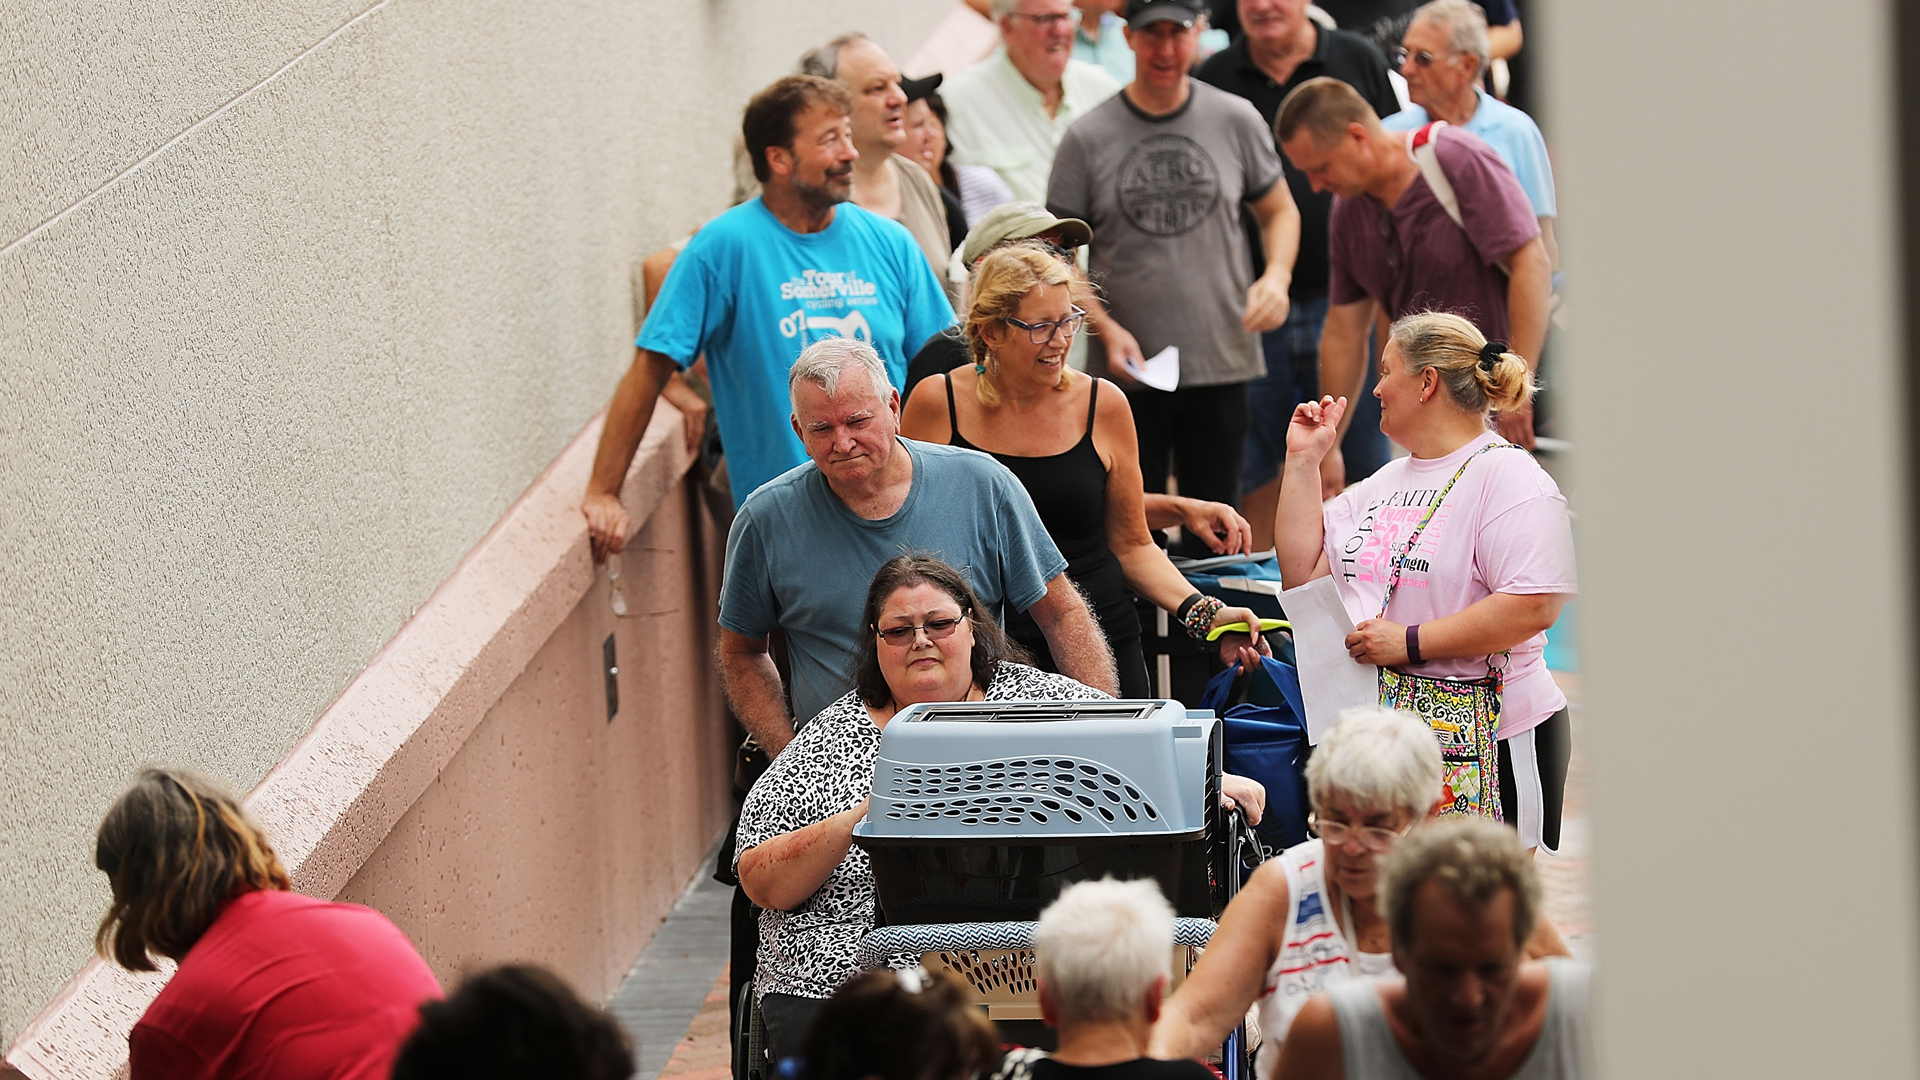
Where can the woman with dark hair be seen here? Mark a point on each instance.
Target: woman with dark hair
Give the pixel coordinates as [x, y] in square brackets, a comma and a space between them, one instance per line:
[900, 1025]
[514, 1022]
[271, 983]
[970, 191]
[929, 638]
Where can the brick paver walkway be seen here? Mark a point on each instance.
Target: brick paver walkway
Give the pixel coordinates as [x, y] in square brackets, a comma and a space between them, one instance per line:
[704, 1053]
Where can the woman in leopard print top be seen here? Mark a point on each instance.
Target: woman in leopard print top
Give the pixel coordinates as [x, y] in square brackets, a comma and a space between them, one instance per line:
[931, 639]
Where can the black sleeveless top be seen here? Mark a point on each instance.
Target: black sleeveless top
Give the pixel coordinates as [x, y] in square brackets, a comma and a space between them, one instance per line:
[1070, 492]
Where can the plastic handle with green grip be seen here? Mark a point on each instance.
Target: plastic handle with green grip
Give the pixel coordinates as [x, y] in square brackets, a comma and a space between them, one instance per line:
[1241, 628]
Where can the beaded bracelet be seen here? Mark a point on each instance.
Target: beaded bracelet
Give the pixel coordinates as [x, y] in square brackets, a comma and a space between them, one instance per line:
[1198, 618]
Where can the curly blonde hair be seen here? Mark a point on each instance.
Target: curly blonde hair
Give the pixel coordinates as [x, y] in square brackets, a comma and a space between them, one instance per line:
[1004, 278]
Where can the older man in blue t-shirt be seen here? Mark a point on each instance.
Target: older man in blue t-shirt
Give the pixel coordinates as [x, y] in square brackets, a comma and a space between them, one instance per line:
[805, 546]
[758, 284]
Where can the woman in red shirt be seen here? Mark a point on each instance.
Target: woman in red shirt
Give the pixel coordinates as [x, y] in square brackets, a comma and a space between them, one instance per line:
[271, 983]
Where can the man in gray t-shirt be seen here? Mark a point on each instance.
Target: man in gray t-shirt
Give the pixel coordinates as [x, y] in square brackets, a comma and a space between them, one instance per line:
[806, 544]
[1160, 171]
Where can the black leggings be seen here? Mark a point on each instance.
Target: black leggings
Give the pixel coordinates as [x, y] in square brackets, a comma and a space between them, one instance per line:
[1552, 750]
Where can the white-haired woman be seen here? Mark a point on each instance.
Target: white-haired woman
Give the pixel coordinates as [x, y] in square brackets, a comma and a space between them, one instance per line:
[1101, 956]
[1453, 560]
[1309, 917]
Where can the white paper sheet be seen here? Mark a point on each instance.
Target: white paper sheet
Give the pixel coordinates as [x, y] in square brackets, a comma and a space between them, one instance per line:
[1330, 680]
[1161, 370]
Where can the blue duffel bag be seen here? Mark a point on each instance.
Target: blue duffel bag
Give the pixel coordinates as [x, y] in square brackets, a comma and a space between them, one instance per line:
[1266, 740]
[1247, 581]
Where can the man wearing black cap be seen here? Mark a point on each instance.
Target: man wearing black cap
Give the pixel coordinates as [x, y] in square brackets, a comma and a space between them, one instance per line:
[1160, 172]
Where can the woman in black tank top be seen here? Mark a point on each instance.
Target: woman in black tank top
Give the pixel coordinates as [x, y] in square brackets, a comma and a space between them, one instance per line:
[1021, 403]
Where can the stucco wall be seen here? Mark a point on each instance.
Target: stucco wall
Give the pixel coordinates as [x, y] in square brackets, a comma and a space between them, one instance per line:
[1741, 387]
[295, 299]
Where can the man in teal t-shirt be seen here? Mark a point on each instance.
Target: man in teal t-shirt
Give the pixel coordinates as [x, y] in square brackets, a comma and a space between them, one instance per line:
[759, 283]
[805, 547]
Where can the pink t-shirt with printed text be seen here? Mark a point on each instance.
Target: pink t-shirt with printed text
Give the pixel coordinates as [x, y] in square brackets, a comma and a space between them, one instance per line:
[1503, 528]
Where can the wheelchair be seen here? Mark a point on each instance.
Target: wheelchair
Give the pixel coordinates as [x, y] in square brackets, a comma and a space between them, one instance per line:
[750, 1058]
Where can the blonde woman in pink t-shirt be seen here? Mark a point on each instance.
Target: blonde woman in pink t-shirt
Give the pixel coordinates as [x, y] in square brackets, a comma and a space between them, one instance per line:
[1493, 566]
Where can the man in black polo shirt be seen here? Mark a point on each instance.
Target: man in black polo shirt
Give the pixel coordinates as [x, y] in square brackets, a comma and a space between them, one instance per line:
[1279, 49]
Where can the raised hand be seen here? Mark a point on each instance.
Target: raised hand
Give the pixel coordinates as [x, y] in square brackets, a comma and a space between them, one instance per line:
[1315, 428]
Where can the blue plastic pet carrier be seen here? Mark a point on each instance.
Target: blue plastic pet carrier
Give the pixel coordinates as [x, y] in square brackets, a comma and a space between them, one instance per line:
[986, 811]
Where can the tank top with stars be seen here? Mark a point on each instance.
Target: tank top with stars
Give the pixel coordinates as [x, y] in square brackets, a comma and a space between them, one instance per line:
[1314, 954]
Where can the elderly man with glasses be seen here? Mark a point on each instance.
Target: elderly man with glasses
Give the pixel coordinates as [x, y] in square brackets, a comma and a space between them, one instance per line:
[1010, 111]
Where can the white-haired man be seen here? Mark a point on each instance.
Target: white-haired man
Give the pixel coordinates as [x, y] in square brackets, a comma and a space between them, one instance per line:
[1462, 899]
[1009, 111]
[1102, 956]
[804, 547]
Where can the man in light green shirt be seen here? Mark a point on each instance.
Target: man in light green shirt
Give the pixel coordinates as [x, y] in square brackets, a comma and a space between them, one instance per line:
[1009, 111]
[1101, 38]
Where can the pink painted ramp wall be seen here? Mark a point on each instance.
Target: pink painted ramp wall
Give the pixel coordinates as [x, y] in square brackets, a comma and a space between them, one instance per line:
[556, 835]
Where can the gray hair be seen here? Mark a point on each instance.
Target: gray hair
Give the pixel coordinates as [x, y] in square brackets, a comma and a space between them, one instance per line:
[1473, 859]
[1004, 8]
[1100, 947]
[1467, 23]
[822, 363]
[824, 60]
[1382, 759]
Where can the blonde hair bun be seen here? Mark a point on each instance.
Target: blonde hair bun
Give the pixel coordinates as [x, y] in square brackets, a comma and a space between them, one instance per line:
[1479, 375]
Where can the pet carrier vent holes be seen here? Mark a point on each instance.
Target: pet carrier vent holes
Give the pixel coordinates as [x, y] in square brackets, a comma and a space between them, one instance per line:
[1009, 971]
[961, 791]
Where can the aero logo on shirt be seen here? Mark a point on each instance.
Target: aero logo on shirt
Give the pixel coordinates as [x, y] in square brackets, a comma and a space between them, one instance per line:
[823, 297]
[1168, 185]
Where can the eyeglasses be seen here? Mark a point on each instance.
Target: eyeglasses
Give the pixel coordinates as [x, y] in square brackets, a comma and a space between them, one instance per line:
[1044, 22]
[1041, 333]
[936, 629]
[1421, 58]
[1373, 838]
